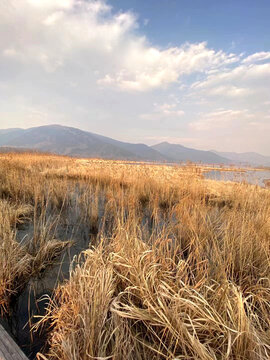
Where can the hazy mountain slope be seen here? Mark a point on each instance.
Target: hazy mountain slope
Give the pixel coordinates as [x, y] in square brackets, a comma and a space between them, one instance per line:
[71, 141]
[140, 150]
[5, 149]
[181, 153]
[74, 142]
[251, 158]
[67, 141]
[7, 135]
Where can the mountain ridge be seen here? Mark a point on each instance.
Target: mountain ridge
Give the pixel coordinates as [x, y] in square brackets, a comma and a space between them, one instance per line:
[181, 153]
[65, 140]
[71, 141]
[251, 157]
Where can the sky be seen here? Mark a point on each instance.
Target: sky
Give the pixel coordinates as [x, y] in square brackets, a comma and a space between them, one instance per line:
[192, 72]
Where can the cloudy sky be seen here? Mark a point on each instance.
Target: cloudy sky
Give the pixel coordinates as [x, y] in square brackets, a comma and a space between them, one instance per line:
[194, 72]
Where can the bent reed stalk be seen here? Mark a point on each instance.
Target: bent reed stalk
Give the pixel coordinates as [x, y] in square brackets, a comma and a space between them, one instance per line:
[177, 267]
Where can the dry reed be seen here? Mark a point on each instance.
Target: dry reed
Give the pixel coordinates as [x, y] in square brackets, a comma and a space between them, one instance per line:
[178, 267]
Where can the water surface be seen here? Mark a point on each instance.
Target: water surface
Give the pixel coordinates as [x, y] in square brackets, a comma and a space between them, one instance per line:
[254, 177]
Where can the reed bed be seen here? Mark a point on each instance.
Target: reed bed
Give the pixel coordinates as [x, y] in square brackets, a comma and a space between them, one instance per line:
[176, 266]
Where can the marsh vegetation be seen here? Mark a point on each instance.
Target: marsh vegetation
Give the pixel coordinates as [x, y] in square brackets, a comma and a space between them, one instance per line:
[115, 261]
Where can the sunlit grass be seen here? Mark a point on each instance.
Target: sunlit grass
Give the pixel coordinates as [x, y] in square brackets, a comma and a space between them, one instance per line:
[177, 266]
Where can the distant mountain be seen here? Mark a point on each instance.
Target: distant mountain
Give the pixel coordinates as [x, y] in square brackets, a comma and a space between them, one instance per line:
[74, 142]
[13, 149]
[181, 153]
[248, 158]
[70, 141]
[139, 150]
[7, 135]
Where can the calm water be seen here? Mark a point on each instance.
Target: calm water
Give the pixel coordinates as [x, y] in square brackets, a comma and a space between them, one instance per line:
[249, 176]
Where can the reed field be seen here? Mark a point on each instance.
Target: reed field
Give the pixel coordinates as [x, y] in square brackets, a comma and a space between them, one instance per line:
[173, 266]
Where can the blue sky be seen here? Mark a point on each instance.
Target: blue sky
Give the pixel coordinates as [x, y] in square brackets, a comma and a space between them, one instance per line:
[194, 72]
[241, 24]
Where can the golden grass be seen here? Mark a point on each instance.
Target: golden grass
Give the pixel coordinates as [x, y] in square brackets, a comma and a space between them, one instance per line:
[178, 267]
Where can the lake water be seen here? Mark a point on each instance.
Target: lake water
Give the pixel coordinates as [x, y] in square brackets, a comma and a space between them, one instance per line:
[249, 176]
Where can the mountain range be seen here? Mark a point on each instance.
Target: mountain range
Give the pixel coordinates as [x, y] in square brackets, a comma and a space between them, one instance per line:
[74, 142]
[251, 158]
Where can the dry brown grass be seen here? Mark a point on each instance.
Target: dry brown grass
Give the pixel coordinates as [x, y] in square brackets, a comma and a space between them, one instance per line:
[178, 267]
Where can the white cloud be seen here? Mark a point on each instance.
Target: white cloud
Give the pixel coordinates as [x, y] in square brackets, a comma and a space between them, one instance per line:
[53, 18]
[221, 119]
[260, 56]
[52, 4]
[245, 83]
[164, 111]
[54, 32]
[232, 130]
[10, 52]
[69, 55]
[147, 67]
[241, 73]
[229, 91]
